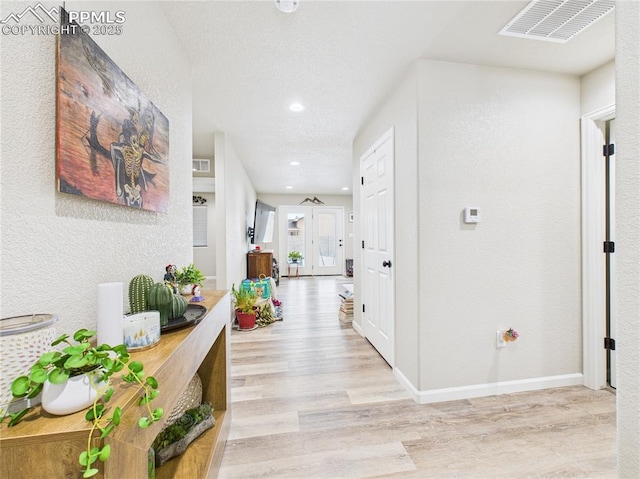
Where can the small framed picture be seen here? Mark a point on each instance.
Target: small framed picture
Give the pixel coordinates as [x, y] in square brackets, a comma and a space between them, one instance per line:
[350, 217]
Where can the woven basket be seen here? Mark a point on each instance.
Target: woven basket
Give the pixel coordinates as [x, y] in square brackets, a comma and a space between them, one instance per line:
[23, 339]
[190, 398]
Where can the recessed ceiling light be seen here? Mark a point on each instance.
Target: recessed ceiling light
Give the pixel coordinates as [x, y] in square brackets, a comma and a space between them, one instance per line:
[289, 187]
[294, 163]
[345, 188]
[296, 107]
[286, 6]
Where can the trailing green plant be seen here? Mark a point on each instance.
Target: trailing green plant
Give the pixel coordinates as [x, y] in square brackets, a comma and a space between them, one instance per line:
[295, 256]
[244, 299]
[75, 359]
[139, 288]
[190, 275]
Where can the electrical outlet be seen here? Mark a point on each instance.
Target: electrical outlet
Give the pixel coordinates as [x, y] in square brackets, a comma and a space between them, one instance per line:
[500, 342]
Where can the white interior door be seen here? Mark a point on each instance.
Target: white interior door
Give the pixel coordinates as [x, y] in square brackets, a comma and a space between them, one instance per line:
[377, 200]
[328, 240]
[612, 257]
[317, 234]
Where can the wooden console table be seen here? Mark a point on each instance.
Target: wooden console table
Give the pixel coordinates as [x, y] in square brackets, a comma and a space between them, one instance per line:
[48, 446]
[259, 263]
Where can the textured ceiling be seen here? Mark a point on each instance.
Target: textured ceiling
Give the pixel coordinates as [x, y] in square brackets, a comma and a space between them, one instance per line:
[339, 59]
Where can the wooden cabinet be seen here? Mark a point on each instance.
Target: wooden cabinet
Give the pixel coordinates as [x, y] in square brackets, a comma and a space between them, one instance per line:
[259, 263]
[49, 446]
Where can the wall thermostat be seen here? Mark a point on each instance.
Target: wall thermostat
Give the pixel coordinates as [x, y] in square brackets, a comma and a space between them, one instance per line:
[471, 214]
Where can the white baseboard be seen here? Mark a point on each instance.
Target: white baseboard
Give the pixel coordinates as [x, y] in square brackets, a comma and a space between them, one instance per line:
[357, 328]
[488, 389]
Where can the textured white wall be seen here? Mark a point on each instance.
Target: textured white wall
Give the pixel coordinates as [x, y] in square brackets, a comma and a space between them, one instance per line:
[598, 88]
[56, 248]
[400, 112]
[235, 202]
[506, 141]
[628, 236]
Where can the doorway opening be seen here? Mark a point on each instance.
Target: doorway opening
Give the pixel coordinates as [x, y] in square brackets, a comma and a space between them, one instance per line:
[598, 294]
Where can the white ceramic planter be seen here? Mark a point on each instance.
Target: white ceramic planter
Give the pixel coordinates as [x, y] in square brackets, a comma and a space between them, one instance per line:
[186, 289]
[74, 395]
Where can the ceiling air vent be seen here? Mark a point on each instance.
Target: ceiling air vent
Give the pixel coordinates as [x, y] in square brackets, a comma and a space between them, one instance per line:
[201, 166]
[556, 20]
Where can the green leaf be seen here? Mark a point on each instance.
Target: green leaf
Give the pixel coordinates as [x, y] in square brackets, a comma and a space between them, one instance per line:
[76, 362]
[58, 376]
[105, 453]
[60, 339]
[144, 400]
[136, 367]
[154, 394]
[128, 378]
[16, 417]
[108, 394]
[48, 358]
[117, 413]
[20, 386]
[151, 381]
[90, 473]
[83, 459]
[93, 454]
[108, 430]
[74, 350]
[100, 410]
[144, 422]
[117, 367]
[121, 350]
[89, 416]
[83, 334]
[38, 374]
[35, 391]
[157, 413]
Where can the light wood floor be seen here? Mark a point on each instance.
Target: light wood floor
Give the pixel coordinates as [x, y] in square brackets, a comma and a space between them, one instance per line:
[312, 399]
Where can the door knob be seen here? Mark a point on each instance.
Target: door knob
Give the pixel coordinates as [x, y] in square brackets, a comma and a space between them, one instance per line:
[386, 264]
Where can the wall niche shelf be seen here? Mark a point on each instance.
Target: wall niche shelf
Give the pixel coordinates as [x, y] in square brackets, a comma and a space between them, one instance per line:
[48, 444]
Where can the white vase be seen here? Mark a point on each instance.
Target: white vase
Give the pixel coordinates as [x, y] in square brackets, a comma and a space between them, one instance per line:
[186, 289]
[75, 394]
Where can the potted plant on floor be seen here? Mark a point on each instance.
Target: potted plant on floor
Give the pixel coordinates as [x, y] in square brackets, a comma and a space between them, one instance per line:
[244, 300]
[78, 377]
[295, 256]
[187, 277]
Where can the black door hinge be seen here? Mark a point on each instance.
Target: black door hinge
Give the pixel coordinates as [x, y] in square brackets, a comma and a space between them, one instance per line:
[609, 247]
[362, 244]
[363, 308]
[362, 180]
[609, 150]
[610, 344]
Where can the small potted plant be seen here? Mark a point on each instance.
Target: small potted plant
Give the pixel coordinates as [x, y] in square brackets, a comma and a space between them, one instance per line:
[187, 277]
[58, 374]
[244, 300]
[295, 256]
